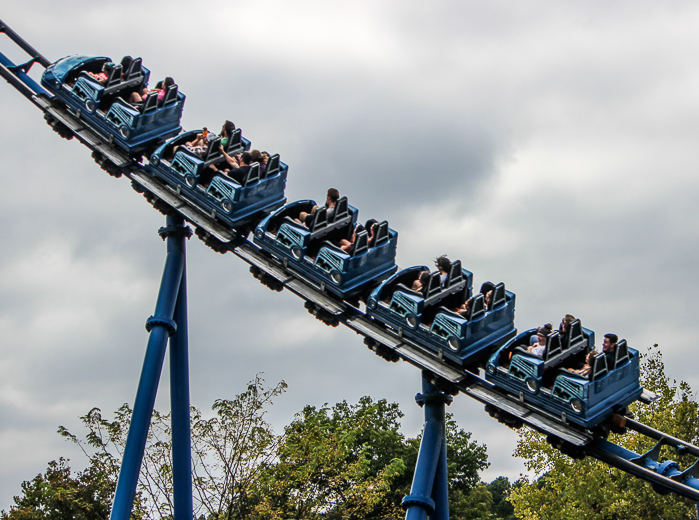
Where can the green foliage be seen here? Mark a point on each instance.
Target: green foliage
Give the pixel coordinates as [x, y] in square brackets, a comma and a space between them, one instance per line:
[500, 490]
[348, 461]
[351, 461]
[228, 451]
[56, 495]
[587, 489]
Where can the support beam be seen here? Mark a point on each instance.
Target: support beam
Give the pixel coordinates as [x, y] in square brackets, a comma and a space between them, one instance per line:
[429, 494]
[161, 326]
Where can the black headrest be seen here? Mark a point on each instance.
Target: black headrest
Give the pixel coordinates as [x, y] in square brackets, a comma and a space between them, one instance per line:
[622, 353]
[150, 104]
[114, 76]
[170, 95]
[433, 286]
[455, 274]
[599, 366]
[253, 174]
[553, 345]
[361, 243]
[235, 142]
[499, 296]
[381, 234]
[320, 220]
[574, 333]
[273, 165]
[212, 148]
[341, 209]
[477, 307]
[133, 69]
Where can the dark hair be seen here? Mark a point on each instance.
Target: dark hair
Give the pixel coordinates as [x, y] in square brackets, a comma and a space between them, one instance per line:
[168, 81]
[443, 262]
[333, 194]
[159, 85]
[613, 338]
[424, 279]
[257, 156]
[228, 127]
[246, 157]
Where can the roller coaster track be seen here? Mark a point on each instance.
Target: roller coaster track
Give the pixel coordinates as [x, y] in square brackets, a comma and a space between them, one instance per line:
[388, 343]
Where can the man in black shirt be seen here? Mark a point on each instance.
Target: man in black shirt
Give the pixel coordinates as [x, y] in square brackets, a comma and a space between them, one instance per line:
[239, 174]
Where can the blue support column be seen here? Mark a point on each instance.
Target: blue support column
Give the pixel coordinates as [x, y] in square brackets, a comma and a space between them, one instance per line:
[179, 398]
[161, 325]
[429, 494]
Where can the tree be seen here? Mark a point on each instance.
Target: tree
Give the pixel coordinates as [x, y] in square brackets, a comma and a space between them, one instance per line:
[228, 450]
[347, 461]
[57, 495]
[588, 489]
[351, 461]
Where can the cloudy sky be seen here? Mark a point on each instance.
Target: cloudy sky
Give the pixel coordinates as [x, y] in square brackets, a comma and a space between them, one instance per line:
[549, 145]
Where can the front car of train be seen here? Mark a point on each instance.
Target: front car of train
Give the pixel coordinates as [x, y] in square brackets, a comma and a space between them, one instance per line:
[429, 316]
[311, 249]
[554, 382]
[105, 106]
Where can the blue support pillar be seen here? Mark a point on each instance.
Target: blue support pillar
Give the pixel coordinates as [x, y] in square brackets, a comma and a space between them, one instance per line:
[160, 326]
[179, 398]
[429, 494]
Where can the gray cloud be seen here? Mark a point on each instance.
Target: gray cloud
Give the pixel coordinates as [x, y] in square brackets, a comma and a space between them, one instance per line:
[548, 145]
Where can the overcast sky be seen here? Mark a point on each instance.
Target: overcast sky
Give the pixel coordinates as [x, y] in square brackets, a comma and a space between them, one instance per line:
[549, 145]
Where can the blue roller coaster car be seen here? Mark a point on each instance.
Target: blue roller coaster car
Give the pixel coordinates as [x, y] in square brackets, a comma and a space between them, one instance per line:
[235, 203]
[104, 106]
[427, 316]
[550, 383]
[311, 251]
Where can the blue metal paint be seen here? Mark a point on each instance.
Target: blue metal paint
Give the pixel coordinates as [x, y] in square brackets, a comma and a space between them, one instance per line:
[600, 398]
[131, 130]
[179, 398]
[289, 241]
[392, 301]
[150, 376]
[429, 493]
[235, 205]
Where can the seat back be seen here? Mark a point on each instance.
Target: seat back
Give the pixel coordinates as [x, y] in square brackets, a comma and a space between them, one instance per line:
[253, 174]
[150, 104]
[599, 366]
[341, 209]
[381, 236]
[273, 166]
[455, 274]
[361, 243]
[114, 77]
[574, 334]
[133, 70]
[235, 142]
[499, 297]
[170, 95]
[622, 353]
[477, 307]
[320, 220]
[553, 346]
[434, 286]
